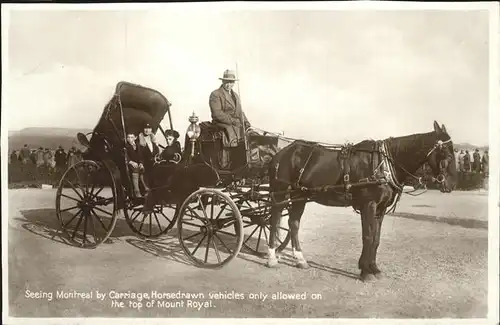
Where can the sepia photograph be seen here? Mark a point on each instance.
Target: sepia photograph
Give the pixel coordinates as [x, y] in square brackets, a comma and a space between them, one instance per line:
[235, 161]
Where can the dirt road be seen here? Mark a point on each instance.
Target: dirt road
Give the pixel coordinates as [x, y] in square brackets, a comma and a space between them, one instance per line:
[434, 265]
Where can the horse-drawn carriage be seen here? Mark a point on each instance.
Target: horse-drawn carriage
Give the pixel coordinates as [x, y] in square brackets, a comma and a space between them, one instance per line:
[228, 208]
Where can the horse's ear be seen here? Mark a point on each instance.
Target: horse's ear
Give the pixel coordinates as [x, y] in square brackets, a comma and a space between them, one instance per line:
[443, 128]
[436, 127]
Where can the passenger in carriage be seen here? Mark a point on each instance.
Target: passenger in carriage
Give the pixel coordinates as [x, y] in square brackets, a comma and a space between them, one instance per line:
[227, 114]
[172, 152]
[136, 165]
[148, 146]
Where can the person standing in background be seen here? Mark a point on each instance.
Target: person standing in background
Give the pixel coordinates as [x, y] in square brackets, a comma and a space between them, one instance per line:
[467, 161]
[461, 157]
[485, 162]
[60, 159]
[25, 154]
[476, 164]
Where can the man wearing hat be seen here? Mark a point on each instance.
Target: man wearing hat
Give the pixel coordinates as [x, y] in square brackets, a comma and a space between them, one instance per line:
[227, 114]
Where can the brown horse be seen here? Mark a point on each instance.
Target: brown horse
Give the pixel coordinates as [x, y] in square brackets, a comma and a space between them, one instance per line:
[368, 176]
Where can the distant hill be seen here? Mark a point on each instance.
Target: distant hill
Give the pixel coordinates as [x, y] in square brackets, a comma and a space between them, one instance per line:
[45, 137]
[468, 146]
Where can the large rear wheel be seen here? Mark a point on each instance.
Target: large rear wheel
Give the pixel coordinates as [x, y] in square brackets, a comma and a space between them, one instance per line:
[86, 203]
[210, 228]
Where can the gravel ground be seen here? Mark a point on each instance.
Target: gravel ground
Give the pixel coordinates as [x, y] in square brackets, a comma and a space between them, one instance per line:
[434, 266]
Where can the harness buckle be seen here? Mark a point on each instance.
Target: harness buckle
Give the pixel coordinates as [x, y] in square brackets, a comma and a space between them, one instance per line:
[346, 178]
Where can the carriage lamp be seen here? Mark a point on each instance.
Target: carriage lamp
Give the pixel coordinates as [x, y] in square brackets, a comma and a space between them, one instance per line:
[193, 131]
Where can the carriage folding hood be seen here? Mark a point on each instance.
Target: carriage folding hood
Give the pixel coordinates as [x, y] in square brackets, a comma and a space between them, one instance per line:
[130, 108]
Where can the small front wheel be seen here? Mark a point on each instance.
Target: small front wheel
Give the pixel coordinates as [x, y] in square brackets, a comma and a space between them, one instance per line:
[210, 228]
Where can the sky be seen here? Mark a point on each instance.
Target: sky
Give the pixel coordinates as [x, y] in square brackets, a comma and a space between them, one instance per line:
[331, 76]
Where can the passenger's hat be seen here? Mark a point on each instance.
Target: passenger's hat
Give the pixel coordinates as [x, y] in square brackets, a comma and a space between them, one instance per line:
[173, 133]
[229, 75]
[147, 125]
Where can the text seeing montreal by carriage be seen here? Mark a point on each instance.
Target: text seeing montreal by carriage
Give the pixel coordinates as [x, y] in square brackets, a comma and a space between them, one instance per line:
[255, 204]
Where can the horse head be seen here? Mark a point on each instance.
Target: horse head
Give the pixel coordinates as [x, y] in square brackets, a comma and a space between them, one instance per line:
[441, 160]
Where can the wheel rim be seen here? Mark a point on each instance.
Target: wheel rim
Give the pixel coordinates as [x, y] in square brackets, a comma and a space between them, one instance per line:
[210, 228]
[86, 204]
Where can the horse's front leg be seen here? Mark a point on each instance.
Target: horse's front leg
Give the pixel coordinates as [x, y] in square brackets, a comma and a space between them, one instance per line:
[295, 213]
[378, 227]
[368, 224]
[276, 211]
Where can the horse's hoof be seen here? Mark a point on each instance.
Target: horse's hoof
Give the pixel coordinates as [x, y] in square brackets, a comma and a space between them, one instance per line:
[368, 277]
[379, 275]
[302, 265]
[272, 262]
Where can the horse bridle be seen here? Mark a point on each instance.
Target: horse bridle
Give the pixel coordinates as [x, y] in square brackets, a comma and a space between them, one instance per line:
[442, 169]
[440, 145]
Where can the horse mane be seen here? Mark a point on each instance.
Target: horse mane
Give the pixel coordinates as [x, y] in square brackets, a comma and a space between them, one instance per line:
[411, 144]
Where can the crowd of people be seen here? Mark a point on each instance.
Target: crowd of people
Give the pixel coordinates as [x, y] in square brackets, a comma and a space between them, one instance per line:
[476, 163]
[42, 163]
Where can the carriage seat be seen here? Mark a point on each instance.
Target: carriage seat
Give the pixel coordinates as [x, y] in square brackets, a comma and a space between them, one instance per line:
[210, 132]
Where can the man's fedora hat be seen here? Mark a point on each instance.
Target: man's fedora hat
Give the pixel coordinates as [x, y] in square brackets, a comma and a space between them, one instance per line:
[229, 75]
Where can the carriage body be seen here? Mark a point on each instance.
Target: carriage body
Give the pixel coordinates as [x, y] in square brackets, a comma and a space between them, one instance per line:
[99, 188]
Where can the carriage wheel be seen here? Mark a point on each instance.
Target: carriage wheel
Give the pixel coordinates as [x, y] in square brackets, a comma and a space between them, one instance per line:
[151, 224]
[86, 203]
[257, 227]
[210, 228]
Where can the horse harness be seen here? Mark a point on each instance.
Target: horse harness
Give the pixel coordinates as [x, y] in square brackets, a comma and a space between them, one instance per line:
[345, 154]
[382, 164]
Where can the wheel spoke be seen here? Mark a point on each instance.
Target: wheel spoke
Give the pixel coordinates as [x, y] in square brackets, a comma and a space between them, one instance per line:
[97, 193]
[223, 244]
[191, 224]
[99, 219]
[103, 211]
[194, 212]
[212, 208]
[220, 212]
[258, 239]
[142, 222]
[157, 221]
[163, 214]
[251, 234]
[69, 197]
[191, 236]
[85, 230]
[216, 250]
[137, 215]
[77, 226]
[93, 227]
[202, 207]
[86, 180]
[276, 236]
[150, 224]
[73, 188]
[199, 244]
[226, 233]
[74, 216]
[208, 247]
[79, 179]
[64, 210]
